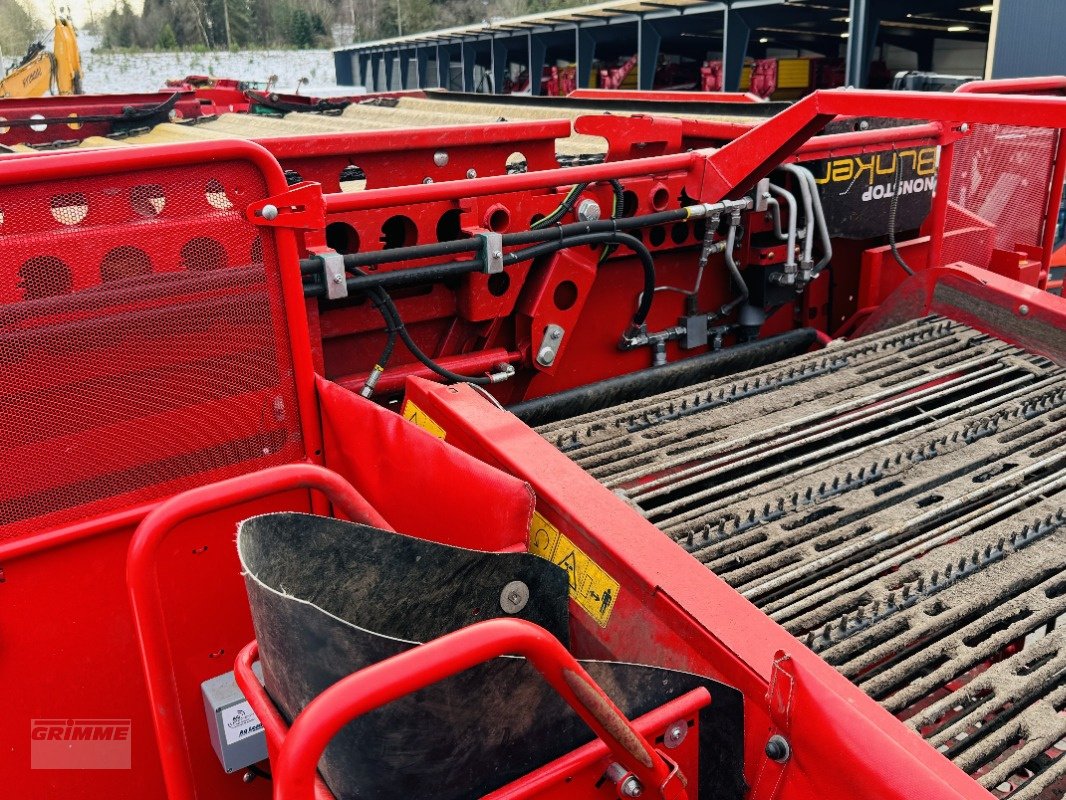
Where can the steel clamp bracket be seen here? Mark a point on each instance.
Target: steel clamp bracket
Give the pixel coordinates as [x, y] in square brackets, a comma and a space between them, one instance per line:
[332, 271]
[491, 250]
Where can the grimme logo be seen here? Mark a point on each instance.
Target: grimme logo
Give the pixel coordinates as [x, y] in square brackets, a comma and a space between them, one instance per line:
[80, 743]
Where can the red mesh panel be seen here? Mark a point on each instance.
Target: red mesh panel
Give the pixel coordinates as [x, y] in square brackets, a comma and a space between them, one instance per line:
[1001, 176]
[142, 342]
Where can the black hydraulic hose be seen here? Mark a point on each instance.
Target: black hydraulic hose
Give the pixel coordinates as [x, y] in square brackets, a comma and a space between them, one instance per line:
[354, 260]
[619, 198]
[617, 204]
[390, 343]
[390, 328]
[408, 277]
[893, 206]
[391, 315]
[313, 265]
[365, 282]
[596, 226]
[564, 207]
[615, 237]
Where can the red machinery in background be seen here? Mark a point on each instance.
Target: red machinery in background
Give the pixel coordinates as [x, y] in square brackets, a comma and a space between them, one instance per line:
[631, 370]
[779, 78]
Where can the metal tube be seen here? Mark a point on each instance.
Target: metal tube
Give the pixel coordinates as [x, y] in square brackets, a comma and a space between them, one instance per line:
[774, 208]
[734, 270]
[819, 220]
[411, 670]
[146, 599]
[501, 184]
[808, 214]
[790, 257]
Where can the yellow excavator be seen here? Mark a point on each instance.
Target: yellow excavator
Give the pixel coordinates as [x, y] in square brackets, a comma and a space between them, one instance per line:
[42, 71]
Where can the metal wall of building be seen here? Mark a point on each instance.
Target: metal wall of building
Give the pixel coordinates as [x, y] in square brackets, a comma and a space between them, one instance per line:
[1028, 38]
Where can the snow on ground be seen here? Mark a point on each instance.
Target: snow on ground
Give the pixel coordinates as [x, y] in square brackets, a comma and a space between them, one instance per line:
[144, 72]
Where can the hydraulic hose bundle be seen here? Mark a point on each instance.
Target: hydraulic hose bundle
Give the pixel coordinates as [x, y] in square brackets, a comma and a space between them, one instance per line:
[546, 237]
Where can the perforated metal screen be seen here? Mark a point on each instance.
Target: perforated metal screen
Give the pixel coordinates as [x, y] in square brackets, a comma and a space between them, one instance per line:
[1001, 175]
[142, 341]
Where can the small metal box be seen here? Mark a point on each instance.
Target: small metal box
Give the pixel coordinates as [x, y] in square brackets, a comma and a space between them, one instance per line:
[236, 732]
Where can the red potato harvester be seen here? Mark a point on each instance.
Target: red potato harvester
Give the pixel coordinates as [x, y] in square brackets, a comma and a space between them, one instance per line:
[727, 467]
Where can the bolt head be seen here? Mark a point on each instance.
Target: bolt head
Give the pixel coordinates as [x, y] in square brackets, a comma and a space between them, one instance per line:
[1023, 310]
[427, 180]
[964, 127]
[631, 787]
[778, 749]
[514, 597]
[471, 173]
[440, 158]
[269, 212]
[588, 210]
[675, 734]
[546, 356]
[554, 335]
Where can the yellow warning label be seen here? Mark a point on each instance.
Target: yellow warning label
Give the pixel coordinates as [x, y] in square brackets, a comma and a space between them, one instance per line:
[413, 413]
[590, 587]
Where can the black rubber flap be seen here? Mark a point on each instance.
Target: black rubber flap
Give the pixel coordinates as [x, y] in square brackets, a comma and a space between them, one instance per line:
[330, 597]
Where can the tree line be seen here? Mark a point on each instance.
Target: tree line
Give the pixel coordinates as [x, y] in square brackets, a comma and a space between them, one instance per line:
[238, 24]
[18, 28]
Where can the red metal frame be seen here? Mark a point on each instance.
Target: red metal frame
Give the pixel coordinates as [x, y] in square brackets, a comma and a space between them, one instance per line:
[664, 95]
[673, 610]
[379, 684]
[64, 115]
[147, 601]
[398, 157]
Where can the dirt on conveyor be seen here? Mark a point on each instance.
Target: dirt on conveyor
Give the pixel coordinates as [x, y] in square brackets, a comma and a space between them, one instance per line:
[898, 503]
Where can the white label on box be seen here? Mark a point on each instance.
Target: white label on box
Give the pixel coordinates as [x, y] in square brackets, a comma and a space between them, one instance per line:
[240, 722]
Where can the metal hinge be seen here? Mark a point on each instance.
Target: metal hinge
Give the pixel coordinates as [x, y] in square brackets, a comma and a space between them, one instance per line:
[303, 206]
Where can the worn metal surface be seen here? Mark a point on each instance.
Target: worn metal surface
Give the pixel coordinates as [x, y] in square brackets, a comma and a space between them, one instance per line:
[899, 503]
[329, 598]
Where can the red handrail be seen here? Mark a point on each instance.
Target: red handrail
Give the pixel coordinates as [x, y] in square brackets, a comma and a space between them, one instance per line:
[1038, 85]
[412, 670]
[147, 602]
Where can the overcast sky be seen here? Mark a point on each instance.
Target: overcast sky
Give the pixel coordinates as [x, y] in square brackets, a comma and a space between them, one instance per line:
[80, 9]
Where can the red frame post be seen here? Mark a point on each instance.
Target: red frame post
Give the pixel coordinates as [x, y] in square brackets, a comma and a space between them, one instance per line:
[405, 673]
[147, 603]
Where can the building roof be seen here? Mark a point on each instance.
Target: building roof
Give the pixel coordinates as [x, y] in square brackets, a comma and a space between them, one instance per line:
[563, 17]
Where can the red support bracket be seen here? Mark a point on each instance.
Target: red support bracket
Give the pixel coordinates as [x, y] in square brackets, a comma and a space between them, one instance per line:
[302, 207]
[633, 137]
[778, 753]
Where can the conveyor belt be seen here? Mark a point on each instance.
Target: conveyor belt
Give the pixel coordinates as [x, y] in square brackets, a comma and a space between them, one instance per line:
[405, 112]
[897, 502]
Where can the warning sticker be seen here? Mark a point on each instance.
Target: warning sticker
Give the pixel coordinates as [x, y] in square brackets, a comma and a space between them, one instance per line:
[590, 587]
[413, 413]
